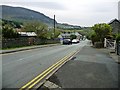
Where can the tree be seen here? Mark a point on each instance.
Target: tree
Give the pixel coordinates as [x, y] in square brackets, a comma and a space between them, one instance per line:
[9, 32]
[73, 37]
[102, 31]
[39, 28]
[57, 33]
[94, 38]
[14, 24]
[52, 35]
[118, 37]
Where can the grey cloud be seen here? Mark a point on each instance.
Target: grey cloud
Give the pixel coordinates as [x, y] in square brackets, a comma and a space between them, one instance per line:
[47, 5]
[104, 7]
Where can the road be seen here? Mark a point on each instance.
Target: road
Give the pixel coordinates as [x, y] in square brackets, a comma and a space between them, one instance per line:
[21, 67]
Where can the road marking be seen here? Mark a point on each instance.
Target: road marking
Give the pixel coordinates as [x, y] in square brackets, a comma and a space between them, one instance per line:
[42, 73]
[46, 72]
[39, 75]
[23, 58]
[20, 59]
[64, 59]
[45, 75]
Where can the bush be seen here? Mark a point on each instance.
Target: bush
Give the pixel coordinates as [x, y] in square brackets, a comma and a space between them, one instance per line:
[118, 38]
[9, 32]
[98, 45]
[102, 31]
[73, 37]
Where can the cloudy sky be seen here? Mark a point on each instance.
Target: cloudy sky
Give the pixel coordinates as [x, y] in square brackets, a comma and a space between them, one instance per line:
[76, 12]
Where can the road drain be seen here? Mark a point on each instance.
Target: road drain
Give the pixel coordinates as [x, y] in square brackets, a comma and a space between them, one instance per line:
[51, 83]
[73, 58]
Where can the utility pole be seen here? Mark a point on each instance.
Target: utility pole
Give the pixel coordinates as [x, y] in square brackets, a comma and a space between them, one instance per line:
[54, 25]
[119, 16]
[118, 42]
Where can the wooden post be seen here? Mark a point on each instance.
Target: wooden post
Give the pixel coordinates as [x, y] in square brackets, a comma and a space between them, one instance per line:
[54, 26]
[105, 42]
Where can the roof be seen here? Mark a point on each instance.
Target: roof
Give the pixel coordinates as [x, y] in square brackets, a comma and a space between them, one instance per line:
[114, 21]
[27, 34]
[68, 34]
[65, 34]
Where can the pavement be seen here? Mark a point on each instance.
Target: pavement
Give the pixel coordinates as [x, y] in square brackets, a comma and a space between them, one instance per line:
[115, 57]
[25, 48]
[90, 68]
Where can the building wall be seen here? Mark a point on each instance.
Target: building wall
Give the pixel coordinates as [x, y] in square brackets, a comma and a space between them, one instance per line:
[18, 42]
[115, 27]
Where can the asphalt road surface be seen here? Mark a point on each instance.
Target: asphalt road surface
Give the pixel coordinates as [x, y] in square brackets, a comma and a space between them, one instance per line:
[90, 68]
[20, 67]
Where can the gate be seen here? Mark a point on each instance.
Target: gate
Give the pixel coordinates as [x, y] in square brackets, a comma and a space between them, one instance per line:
[110, 44]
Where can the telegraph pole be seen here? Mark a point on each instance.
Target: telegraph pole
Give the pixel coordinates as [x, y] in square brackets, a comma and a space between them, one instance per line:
[54, 25]
[119, 16]
[118, 42]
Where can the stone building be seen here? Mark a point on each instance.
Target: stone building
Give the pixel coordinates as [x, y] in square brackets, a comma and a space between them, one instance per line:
[115, 24]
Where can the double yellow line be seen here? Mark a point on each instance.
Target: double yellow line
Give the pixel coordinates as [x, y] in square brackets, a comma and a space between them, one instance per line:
[41, 76]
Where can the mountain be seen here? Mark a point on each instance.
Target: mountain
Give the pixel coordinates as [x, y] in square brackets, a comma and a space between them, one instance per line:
[66, 26]
[21, 14]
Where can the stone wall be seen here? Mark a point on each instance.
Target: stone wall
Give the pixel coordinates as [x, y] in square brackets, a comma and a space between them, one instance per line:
[19, 42]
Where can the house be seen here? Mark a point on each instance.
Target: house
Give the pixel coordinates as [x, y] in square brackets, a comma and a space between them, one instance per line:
[115, 24]
[27, 34]
[66, 35]
[30, 36]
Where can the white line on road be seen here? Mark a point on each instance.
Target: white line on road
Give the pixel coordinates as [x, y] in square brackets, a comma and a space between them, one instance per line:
[27, 58]
[21, 59]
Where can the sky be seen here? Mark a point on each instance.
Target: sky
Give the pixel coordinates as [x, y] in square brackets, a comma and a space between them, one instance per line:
[75, 12]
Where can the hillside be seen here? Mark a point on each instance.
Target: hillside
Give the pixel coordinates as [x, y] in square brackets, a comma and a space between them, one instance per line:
[21, 14]
[66, 26]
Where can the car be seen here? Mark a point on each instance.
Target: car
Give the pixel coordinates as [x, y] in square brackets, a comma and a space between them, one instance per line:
[75, 41]
[78, 40]
[67, 41]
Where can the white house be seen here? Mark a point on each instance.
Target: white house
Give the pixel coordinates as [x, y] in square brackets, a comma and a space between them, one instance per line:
[67, 35]
[27, 34]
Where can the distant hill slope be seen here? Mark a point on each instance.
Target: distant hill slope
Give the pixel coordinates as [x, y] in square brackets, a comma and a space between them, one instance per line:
[23, 14]
[68, 26]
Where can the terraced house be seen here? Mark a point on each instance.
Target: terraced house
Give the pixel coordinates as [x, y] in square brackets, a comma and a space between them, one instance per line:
[115, 24]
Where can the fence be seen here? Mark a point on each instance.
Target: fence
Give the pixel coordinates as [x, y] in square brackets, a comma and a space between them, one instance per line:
[113, 45]
[109, 43]
[118, 48]
[18, 42]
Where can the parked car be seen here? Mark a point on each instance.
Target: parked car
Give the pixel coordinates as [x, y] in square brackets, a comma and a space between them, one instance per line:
[67, 41]
[75, 41]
